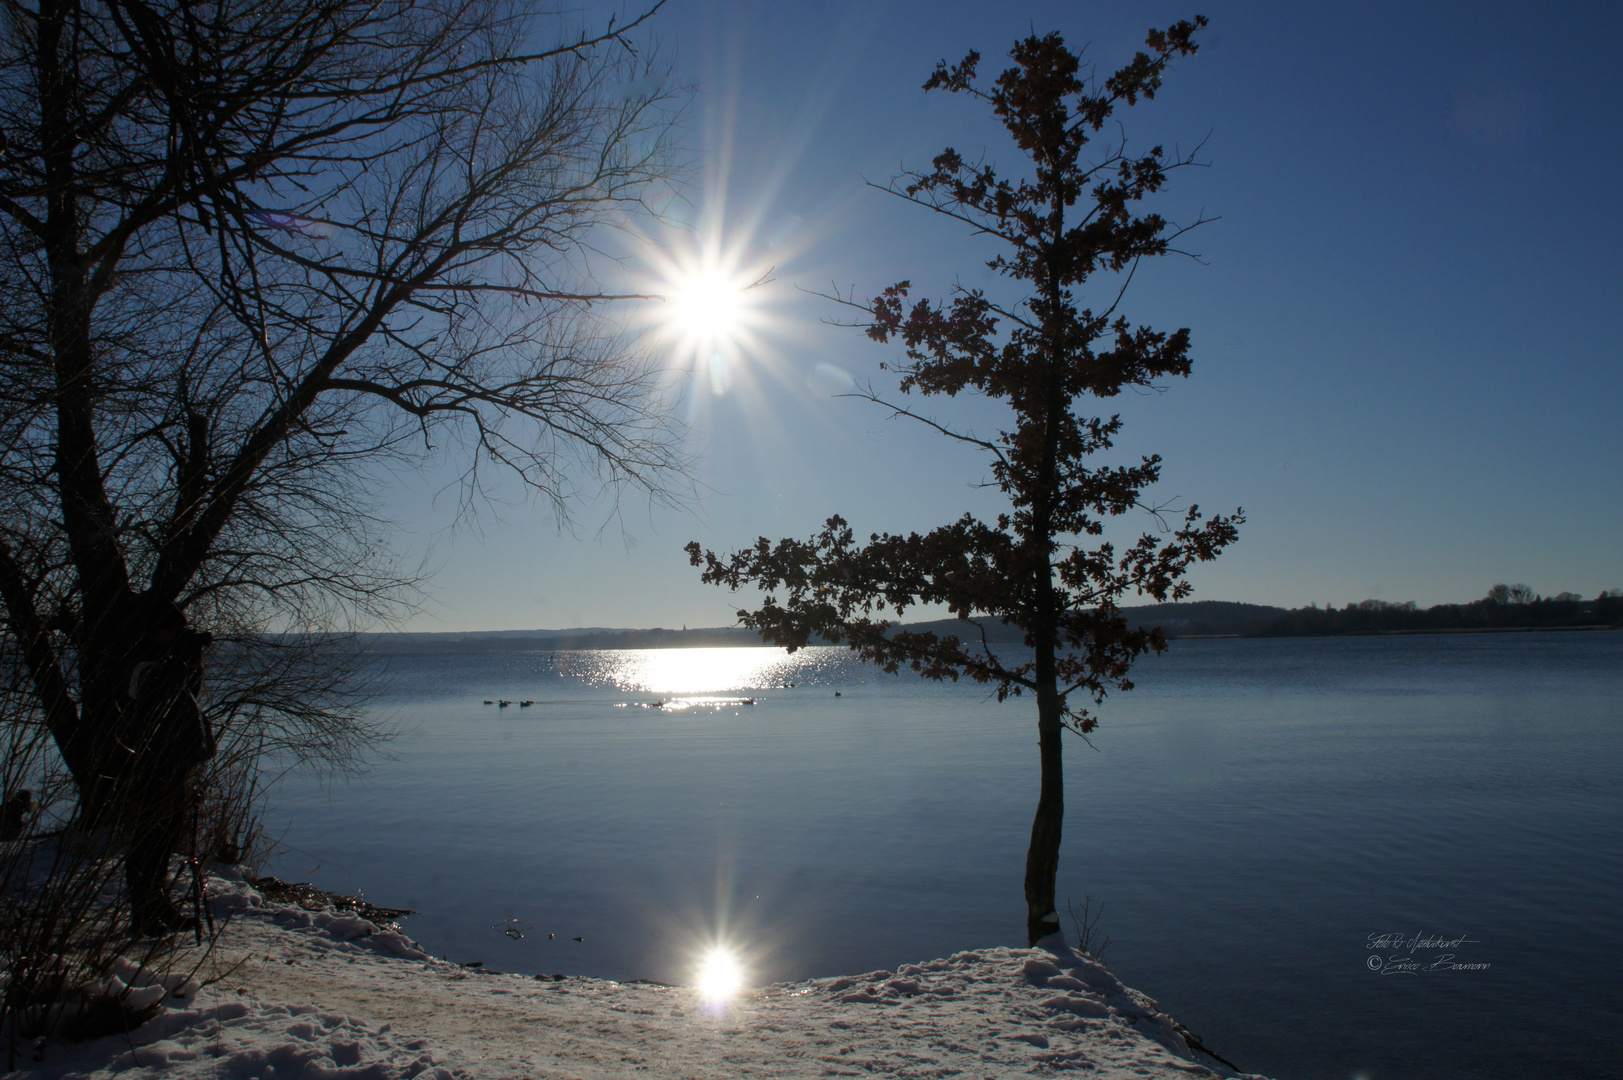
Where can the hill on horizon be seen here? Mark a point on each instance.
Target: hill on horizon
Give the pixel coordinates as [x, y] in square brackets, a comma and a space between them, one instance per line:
[1200, 618]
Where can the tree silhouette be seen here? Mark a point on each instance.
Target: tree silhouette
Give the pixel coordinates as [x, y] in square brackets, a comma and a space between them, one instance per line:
[252, 253]
[1043, 564]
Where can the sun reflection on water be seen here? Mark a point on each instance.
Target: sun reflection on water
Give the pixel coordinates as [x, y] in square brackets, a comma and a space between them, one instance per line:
[720, 977]
[701, 671]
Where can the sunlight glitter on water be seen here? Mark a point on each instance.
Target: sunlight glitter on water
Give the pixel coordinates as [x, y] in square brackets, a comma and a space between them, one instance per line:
[678, 704]
[699, 671]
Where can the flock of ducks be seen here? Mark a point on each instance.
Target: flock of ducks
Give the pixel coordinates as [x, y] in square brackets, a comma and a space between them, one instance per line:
[504, 703]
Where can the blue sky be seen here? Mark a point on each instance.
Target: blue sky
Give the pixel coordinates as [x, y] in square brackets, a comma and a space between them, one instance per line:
[1407, 366]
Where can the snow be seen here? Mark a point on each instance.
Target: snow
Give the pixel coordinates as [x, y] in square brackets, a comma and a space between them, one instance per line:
[288, 993]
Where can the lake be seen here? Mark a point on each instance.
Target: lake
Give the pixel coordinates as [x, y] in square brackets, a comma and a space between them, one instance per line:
[1371, 857]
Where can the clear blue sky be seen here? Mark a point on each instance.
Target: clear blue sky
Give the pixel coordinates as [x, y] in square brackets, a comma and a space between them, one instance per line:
[1407, 362]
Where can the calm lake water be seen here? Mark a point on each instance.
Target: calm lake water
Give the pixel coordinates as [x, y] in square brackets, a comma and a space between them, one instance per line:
[1269, 826]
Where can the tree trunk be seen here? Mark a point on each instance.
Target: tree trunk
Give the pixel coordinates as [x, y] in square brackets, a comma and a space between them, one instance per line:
[1042, 857]
[96, 744]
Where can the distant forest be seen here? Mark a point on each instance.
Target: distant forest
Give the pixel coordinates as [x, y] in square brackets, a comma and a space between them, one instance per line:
[1512, 607]
[1505, 607]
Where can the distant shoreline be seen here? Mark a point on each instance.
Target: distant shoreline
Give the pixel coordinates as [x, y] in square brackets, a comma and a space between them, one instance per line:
[1186, 621]
[1397, 633]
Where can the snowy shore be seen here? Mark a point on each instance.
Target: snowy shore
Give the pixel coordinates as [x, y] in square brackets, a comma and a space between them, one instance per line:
[293, 994]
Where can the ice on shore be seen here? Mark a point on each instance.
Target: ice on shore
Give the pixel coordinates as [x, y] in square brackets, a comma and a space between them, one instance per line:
[295, 994]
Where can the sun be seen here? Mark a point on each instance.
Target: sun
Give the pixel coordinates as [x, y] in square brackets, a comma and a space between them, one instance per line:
[712, 317]
[714, 320]
[707, 305]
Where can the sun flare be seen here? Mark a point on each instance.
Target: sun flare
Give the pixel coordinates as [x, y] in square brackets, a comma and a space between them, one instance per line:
[707, 305]
[713, 319]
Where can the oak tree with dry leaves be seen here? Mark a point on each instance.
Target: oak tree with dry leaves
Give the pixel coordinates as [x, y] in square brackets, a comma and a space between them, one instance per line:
[1043, 565]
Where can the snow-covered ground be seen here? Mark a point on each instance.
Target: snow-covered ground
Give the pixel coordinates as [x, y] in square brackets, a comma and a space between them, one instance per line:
[290, 993]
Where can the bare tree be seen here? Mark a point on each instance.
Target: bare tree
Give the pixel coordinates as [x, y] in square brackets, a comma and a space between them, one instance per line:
[1510, 594]
[248, 253]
